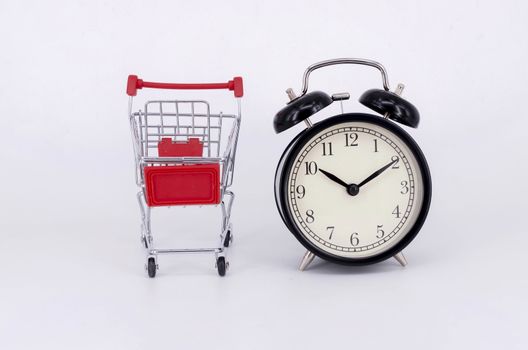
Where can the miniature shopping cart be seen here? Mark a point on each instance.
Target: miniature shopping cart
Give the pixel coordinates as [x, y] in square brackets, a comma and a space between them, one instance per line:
[185, 155]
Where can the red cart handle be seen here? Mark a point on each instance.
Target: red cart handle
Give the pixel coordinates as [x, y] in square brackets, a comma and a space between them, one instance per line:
[134, 83]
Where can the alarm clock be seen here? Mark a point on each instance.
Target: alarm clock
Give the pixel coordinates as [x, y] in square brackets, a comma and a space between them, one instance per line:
[354, 188]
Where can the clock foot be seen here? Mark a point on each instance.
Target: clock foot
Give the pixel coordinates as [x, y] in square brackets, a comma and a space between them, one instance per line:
[401, 259]
[306, 260]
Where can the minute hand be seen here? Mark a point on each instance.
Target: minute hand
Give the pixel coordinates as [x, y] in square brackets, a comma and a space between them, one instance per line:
[376, 173]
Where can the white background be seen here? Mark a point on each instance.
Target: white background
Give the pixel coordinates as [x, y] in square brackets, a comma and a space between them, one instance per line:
[71, 272]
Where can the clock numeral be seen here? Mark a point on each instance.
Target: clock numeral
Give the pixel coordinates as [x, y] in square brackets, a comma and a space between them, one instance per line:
[350, 139]
[380, 232]
[310, 216]
[354, 239]
[405, 187]
[331, 229]
[301, 191]
[311, 168]
[397, 160]
[396, 211]
[375, 145]
[327, 149]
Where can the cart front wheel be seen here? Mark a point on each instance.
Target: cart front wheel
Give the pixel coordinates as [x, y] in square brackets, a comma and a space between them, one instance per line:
[151, 267]
[221, 265]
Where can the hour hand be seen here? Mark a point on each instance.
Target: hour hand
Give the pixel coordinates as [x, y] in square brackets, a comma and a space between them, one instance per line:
[333, 178]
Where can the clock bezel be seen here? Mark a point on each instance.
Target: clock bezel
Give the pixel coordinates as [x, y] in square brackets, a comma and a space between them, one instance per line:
[287, 162]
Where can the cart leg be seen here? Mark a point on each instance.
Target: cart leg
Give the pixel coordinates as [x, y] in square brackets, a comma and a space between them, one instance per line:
[146, 235]
[226, 236]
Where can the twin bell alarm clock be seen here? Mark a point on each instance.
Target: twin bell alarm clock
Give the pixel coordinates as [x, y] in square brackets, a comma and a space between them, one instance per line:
[354, 188]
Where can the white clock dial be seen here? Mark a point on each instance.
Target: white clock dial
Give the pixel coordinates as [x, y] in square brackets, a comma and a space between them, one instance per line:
[322, 196]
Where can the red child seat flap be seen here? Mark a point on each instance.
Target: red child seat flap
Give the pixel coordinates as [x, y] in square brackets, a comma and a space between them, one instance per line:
[182, 184]
[191, 148]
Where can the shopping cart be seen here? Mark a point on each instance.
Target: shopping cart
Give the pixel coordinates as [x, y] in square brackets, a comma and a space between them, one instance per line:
[185, 155]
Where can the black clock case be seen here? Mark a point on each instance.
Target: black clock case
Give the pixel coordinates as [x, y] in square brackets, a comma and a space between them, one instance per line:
[286, 162]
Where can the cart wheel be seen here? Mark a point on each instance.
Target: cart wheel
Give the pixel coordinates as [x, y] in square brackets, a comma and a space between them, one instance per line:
[221, 265]
[228, 239]
[151, 267]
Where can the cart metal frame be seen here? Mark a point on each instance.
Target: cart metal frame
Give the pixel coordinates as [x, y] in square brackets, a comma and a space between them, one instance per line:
[180, 120]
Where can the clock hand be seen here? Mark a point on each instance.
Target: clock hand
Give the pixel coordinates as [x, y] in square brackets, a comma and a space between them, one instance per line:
[376, 173]
[334, 178]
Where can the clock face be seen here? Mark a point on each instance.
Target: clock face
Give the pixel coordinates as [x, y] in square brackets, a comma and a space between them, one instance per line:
[355, 188]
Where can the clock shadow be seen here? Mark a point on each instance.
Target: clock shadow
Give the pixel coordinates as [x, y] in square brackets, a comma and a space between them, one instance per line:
[324, 267]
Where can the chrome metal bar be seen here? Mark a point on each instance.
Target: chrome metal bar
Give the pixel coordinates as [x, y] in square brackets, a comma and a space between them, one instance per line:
[161, 116]
[145, 151]
[179, 101]
[180, 134]
[220, 120]
[192, 160]
[360, 61]
[208, 130]
[231, 148]
[220, 115]
[186, 250]
[193, 116]
[177, 116]
[155, 145]
[145, 220]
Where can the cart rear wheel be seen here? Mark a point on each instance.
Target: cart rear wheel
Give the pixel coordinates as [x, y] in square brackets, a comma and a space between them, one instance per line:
[151, 267]
[221, 265]
[228, 239]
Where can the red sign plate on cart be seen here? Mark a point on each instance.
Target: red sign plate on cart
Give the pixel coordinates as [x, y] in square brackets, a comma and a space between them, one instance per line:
[183, 184]
[190, 148]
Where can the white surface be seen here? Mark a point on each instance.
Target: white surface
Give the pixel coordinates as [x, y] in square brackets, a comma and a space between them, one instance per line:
[71, 263]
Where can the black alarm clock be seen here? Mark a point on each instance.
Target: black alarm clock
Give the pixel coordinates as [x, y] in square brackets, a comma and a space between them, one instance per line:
[354, 188]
